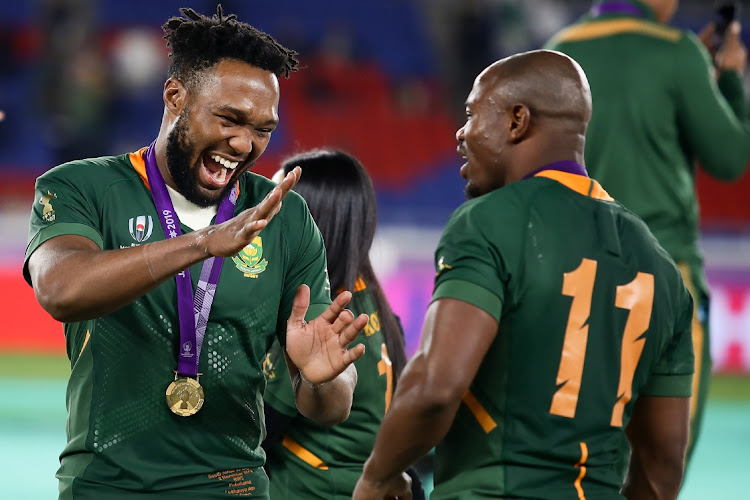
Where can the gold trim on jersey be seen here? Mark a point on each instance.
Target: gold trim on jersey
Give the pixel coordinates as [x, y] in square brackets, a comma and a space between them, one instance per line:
[139, 164]
[476, 408]
[359, 285]
[578, 183]
[85, 342]
[698, 340]
[303, 453]
[582, 474]
[600, 29]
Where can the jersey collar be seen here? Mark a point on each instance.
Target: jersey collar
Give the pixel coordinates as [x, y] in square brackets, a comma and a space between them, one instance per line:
[622, 8]
[572, 175]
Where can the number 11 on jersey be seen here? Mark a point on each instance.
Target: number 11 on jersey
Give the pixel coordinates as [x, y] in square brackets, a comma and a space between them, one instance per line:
[637, 297]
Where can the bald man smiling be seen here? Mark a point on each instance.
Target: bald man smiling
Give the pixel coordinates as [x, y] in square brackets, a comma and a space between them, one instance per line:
[557, 325]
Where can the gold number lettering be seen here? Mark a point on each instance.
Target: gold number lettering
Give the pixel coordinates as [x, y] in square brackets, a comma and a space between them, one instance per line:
[638, 298]
[578, 284]
[385, 367]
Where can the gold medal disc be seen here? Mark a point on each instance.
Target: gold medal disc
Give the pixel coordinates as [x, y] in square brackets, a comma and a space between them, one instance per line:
[185, 396]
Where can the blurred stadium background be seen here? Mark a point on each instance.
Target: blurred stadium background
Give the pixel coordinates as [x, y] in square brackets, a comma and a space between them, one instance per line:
[384, 80]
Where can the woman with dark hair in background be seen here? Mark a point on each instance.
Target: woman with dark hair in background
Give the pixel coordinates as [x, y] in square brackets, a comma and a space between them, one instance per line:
[304, 459]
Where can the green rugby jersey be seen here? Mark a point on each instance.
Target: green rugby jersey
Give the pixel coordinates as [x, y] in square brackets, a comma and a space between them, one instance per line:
[325, 462]
[592, 314]
[122, 438]
[657, 109]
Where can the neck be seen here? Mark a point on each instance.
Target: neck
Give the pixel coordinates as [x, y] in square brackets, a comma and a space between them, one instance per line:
[160, 150]
[539, 154]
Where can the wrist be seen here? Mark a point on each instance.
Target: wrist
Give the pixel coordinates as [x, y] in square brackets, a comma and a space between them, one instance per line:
[305, 381]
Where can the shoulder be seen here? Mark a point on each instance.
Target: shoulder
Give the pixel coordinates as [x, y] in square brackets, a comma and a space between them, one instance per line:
[498, 205]
[593, 29]
[101, 171]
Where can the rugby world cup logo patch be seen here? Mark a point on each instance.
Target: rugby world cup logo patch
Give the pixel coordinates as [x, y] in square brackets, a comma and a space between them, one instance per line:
[141, 227]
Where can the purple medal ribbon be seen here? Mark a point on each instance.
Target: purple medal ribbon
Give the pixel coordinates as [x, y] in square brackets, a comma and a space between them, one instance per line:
[193, 317]
[615, 8]
[568, 166]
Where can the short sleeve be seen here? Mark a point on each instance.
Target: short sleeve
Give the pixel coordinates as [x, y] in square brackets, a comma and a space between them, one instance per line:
[307, 263]
[469, 260]
[279, 392]
[60, 207]
[672, 376]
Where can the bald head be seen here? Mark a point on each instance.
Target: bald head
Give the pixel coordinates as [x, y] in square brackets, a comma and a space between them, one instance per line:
[522, 113]
[549, 83]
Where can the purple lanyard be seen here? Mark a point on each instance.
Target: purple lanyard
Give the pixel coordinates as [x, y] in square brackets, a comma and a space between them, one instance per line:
[616, 8]
[568, 166]
[192, 326]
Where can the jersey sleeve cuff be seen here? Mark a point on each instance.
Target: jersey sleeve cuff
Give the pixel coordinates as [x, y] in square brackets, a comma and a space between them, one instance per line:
[675, 386]
[733, 90]
[471, 293]
[59, 230]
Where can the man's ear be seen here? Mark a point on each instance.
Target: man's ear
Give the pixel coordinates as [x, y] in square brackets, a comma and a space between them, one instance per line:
[174, 95]
[520, 119]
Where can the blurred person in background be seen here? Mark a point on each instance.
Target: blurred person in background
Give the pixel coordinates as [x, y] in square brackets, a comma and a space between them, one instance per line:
[660, 107]
[558, 324]
[119, 244]
[305, 459]
[75, 87]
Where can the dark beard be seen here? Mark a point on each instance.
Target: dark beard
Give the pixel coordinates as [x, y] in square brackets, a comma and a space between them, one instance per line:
[179, 153]
[471, 191]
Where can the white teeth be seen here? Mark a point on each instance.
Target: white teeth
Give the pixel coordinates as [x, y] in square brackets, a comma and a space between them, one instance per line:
[222, 175]
[226, 163]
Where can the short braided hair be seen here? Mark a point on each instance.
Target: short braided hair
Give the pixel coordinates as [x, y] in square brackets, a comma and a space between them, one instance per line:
[198, 42]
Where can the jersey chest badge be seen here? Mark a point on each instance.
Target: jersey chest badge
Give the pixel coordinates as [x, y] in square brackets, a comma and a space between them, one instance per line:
[250, 259]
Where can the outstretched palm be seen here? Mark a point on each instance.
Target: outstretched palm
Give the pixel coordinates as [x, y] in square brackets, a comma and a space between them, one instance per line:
[319, 348]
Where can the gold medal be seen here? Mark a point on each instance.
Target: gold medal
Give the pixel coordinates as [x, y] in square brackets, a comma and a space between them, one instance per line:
[185, 396]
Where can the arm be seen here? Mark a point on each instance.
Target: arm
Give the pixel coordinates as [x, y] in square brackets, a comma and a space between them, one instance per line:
[320, 365]
[429, 393]
[714, 131]
[328, 403]
[658, 435]
[75, 280]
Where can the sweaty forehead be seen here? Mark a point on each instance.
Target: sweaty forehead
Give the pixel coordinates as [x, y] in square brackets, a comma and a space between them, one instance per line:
[484, 92]
[240, 85]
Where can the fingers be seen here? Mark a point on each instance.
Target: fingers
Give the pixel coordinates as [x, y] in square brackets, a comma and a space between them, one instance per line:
[352, 330]
[733, 55]
[342, 321]
[353, 354]
[338, 305]
[705, 35]
[300, 305]
[289, 181]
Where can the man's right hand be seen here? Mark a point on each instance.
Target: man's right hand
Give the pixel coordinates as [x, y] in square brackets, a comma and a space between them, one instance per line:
[733, 54]
[230, 237]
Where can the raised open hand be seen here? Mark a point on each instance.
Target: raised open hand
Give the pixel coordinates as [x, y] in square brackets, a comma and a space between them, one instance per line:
[319, 348]
[225, 240]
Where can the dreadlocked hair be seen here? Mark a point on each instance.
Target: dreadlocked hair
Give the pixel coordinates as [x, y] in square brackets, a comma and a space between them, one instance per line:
[198, 42]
